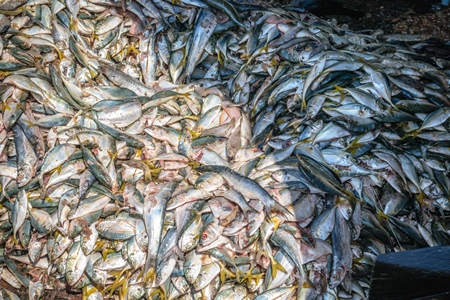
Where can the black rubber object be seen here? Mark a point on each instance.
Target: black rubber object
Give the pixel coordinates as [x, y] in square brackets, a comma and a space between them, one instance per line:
[415, 274]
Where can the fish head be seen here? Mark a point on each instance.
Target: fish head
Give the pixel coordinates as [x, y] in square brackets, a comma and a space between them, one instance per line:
[337, 277]
[25, 174]
[191, 275]
[72, 276]
[135, 292]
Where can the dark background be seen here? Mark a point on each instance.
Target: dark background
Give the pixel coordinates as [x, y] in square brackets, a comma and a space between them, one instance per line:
[392, 16]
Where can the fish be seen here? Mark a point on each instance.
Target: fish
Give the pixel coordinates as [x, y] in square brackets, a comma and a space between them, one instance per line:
[154, 212]
[246, 186]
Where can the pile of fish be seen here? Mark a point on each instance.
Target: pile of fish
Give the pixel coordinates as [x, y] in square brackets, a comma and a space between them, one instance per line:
[212, 149]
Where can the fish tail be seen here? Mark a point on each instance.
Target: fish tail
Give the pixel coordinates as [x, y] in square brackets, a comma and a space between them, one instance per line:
[276, 266]
[381, 214]
[150, 275]
[303, 107]
[239, 274]
[6, 107]
[352, 197]
[248, 276]
[117, 283]
[14, 238]
[29, 123]
[123, 290]
[86, 292]
[61, 230]
[277, 207]
[341, 92]
[41, 183]
[265, 48]
[420, 197]
[156, 293]
[224, 273]
[412, 134]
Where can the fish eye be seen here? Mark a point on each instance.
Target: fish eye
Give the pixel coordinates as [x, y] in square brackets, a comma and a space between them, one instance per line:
[204, 236]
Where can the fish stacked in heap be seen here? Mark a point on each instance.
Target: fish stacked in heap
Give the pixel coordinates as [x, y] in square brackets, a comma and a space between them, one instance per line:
[212, 150]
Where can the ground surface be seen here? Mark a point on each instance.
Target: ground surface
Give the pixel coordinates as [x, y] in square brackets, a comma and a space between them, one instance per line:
[392, 16]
